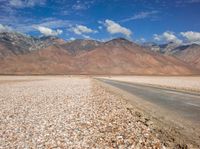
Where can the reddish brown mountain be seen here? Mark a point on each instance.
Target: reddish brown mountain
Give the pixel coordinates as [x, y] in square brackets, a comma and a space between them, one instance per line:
[118, 56]
[79, 46]
[190, 54]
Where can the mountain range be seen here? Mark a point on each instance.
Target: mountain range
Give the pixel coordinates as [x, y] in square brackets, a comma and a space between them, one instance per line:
[22, 54]
[189, 53]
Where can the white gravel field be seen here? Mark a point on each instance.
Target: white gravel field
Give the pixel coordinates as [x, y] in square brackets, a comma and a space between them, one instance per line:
[178, 82]
[68, 112]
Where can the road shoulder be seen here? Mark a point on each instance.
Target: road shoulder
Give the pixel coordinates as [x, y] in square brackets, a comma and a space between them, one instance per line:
[170, 130]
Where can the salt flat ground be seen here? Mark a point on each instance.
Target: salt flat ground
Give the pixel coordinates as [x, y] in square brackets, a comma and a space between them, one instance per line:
[69, 112]
[190, 83]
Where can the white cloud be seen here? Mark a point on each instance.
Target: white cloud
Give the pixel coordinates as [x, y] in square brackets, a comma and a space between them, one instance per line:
[157, 37]
[192, 37]
[55, 23]
[141, 15]
[114, 28]
[86, 37]
[82, 5]
[27, 25]
[142, 39]
[5, 28]
[72, 39]
[167, 36]
[79, 7]
[16, 3]
[26, 3]
[80, 29]
[48, 32]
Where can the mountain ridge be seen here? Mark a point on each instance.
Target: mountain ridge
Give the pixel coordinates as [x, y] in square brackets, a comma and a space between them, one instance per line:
[189, 53]
[115, 57]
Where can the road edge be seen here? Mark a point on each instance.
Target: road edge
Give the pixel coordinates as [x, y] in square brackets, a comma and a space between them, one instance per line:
[161, 125]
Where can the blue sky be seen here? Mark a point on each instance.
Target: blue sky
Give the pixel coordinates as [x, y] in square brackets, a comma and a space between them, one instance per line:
[138, 20]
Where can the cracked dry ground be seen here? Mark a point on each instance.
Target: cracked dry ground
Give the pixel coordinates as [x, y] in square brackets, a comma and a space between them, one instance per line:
[69, 113]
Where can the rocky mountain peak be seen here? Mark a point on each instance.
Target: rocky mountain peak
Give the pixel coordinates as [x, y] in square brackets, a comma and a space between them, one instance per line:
[119, 41]
[19, 43]
[80, 45]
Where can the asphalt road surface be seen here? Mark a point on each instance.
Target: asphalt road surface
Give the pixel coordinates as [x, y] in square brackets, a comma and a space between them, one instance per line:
[187, 105]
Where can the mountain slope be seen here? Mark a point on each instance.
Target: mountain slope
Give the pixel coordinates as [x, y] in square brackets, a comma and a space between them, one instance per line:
[118, 56]
[13, 43]
[189, 54]
[129, 58]
[167, 48]
[79, 46]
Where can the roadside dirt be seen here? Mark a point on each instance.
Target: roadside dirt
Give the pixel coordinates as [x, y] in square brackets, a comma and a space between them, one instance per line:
[171, 133]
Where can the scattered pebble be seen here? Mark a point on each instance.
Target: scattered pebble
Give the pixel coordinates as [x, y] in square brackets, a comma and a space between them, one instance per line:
[70, 113]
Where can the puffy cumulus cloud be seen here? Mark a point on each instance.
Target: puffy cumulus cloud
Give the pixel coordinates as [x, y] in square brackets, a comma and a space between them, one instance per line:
[80, 29]
[157, 37]
[47, 31]
[167, 37]
[192, 37]
[5, 28]
[115, 28]
[25, 3]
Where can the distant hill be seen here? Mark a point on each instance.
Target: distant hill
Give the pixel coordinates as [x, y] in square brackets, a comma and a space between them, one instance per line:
[16, 43]
[20, 54]
[188, 53]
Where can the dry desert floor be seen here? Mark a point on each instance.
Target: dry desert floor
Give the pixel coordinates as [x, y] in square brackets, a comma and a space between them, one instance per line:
[70, 112]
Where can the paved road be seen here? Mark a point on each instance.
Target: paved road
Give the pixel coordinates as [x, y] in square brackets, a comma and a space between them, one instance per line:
[186, 105]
